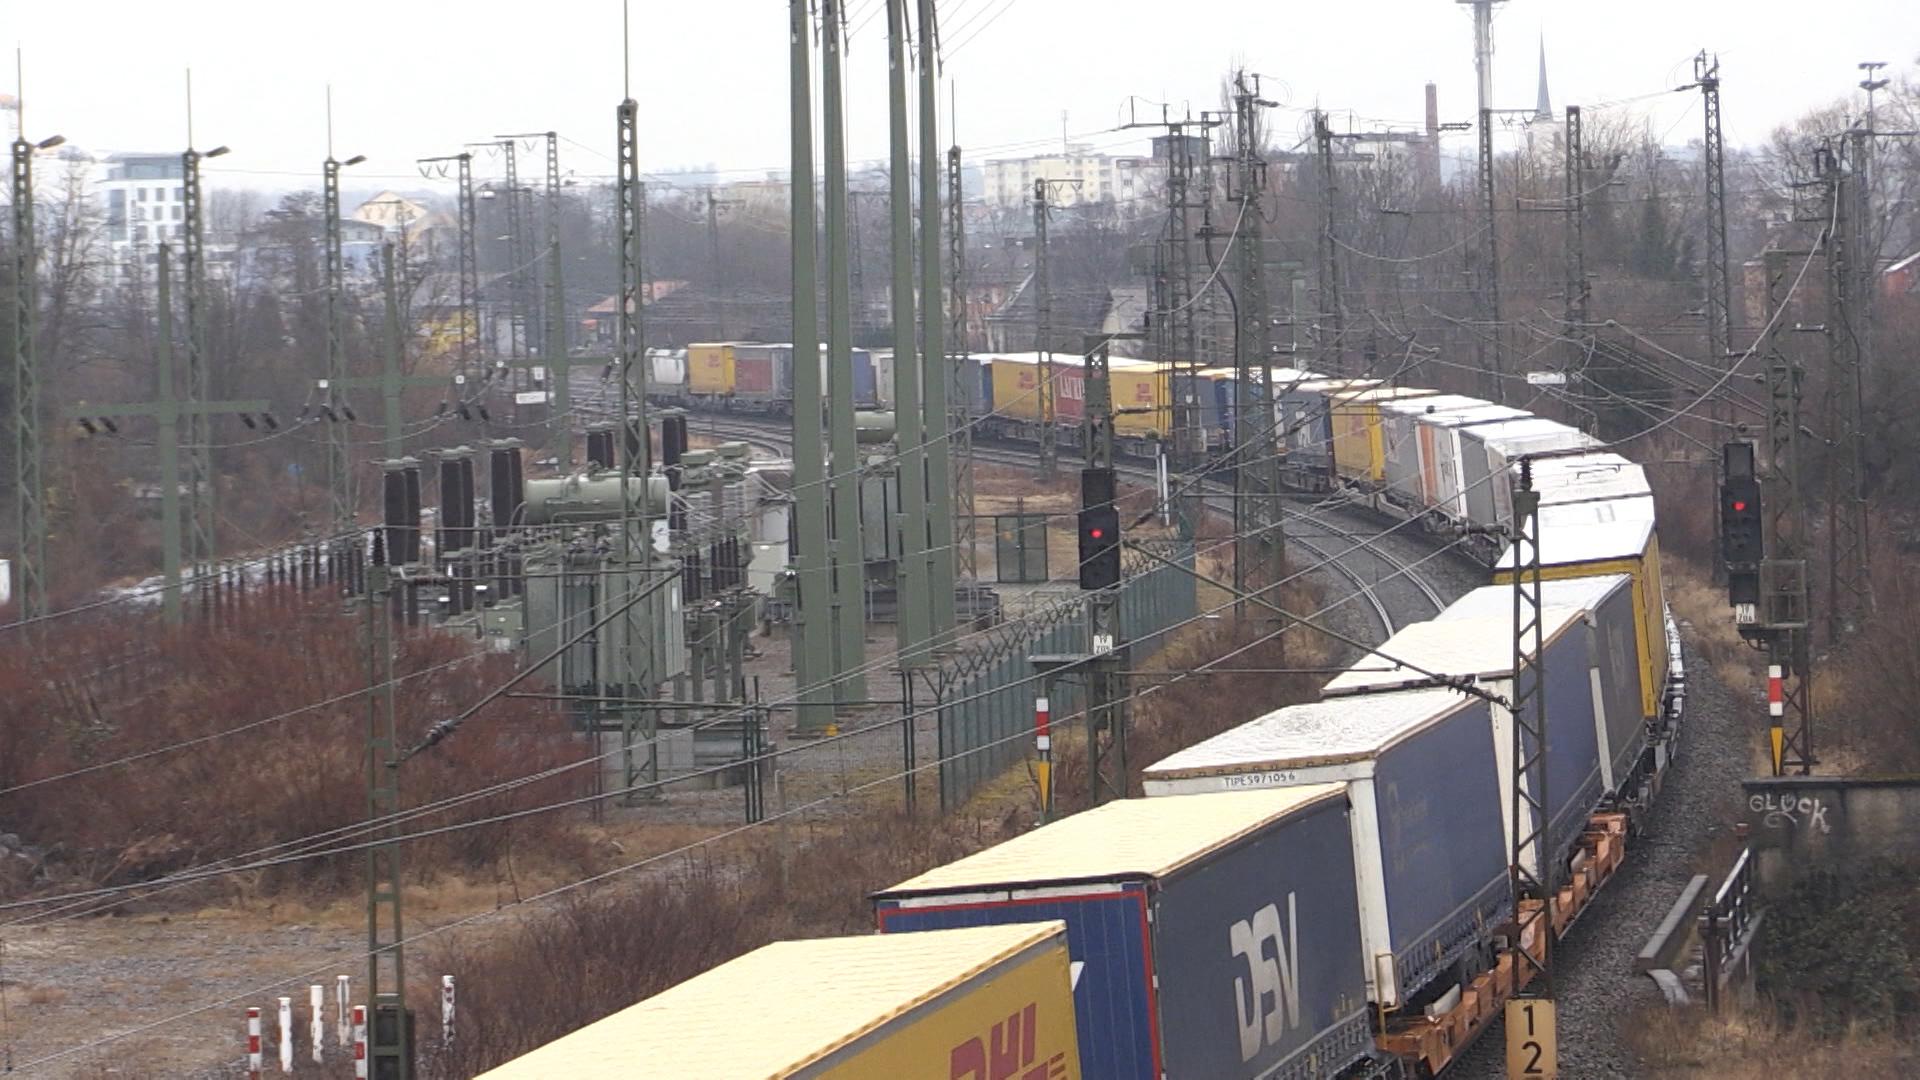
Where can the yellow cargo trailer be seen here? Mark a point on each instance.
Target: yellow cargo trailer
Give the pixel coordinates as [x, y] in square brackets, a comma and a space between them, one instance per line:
[710, 368]
[1359, 450]
[946, 1003]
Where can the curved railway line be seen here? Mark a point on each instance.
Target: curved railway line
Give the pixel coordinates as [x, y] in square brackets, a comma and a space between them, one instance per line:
[1389, 573]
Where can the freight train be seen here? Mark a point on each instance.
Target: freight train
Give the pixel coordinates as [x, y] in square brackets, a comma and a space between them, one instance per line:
[1324, 891]
[1000, 392]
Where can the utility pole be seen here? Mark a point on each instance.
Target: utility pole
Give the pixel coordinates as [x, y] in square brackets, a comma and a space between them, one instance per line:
[849, 560]
[914, 618]
[937, 374]
[1533, 867]
[1259, 534]
[30, 491]
[201, 488]
[812, 620]
[168, 411]
[339, 465]
[1332, 324]
[967, 388]
[389, 1050]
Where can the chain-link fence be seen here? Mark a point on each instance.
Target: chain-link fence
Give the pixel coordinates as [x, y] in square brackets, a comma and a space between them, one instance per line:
[991, 686]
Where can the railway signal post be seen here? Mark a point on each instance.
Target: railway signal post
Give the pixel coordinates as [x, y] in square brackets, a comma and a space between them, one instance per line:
[1106, 689]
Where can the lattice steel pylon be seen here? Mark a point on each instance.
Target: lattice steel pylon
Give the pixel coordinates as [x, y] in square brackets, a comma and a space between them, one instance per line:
[1042, 330]
[469, 266]
[1719, 308]
[1784, 584]
[201, 493]
[1849, 588]
[965, 390]
[339, 466]
[465, 255]
[1489, 284]
[30, 516]
[939, 404]
[1105, 677]
[1332, 321]
[639, 727]
[1533, 867]
[1579, 291]
[387, 1044]
[552, 309]
[1259, 531]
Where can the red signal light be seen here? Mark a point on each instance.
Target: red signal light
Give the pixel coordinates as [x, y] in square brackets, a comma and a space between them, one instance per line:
[1096, 532]
[1739, 506]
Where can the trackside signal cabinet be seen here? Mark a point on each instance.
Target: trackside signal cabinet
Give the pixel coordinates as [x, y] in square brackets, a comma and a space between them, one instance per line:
[1212, 936]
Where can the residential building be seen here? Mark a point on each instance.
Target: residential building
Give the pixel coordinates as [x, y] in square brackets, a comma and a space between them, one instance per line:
[1086, 177]
[145, 201]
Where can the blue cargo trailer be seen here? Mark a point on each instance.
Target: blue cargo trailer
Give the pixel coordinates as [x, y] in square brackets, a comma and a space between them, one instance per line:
[1214, 936]
[1599, 612]
[1429, 846]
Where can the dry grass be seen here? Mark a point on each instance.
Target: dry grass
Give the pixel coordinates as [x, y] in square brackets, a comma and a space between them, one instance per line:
[1689, 1045]
[242, 790]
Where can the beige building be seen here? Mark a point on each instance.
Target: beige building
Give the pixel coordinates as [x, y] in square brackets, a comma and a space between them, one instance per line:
[1084, 177]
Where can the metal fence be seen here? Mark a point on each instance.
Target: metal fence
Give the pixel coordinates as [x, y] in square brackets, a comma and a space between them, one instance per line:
[986, 694]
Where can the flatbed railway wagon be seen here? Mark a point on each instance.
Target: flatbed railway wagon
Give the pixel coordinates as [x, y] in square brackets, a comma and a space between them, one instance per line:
[1216, 936]
[973, 1004]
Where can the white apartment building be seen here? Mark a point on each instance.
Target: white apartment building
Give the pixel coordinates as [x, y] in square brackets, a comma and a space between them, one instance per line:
[1087, 178]
[145, 204]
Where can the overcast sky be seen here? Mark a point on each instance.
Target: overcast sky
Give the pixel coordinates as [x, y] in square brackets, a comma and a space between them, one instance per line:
[418, 77]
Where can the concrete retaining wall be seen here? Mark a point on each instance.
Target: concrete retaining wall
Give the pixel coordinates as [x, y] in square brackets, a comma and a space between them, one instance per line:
[1796, 820]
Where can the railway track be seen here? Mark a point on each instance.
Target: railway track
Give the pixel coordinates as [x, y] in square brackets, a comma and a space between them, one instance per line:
[1414, 595]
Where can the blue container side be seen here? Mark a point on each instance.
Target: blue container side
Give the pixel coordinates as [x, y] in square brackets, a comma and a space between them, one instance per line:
[1107, 933]
[1617, 656]
[1573, 745]
[865, 388]
[1443, 844]
[1259, 956]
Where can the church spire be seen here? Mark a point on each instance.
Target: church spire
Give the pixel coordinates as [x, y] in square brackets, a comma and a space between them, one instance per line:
[1544, 110]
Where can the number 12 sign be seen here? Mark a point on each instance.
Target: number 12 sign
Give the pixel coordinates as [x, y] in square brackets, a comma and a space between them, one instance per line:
[1533, 1049]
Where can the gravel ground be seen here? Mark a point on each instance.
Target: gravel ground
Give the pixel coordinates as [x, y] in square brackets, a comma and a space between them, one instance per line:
[1597, 989]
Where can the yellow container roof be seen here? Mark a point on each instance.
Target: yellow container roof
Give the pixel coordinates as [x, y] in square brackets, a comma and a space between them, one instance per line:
[1129, 837]
[778, 1009]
